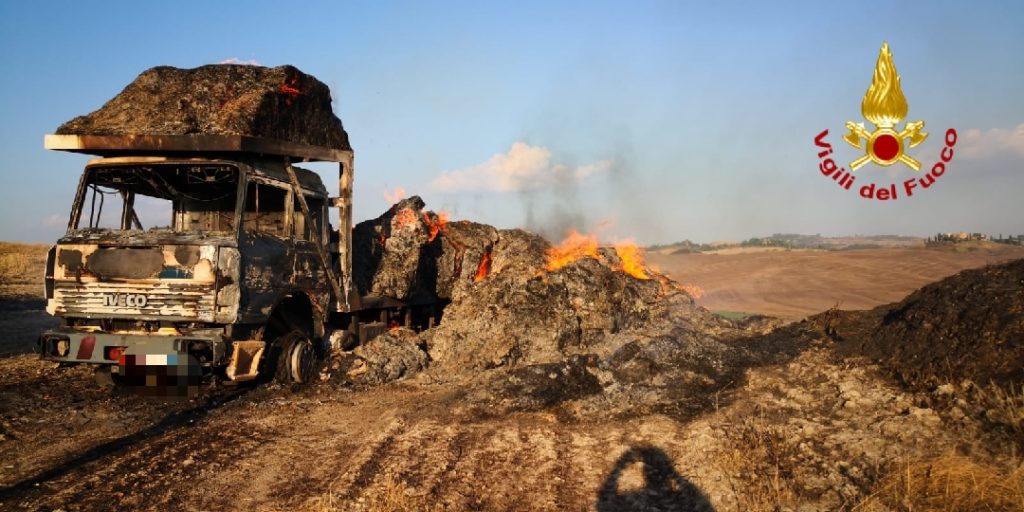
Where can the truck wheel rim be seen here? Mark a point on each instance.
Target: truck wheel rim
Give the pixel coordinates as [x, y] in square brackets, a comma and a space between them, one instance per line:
[301, 361]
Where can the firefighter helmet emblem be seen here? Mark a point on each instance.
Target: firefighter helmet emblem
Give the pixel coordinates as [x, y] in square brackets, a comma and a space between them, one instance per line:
[885, 106]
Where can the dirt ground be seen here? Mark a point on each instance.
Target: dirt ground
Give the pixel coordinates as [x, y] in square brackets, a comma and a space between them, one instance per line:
[793, 284]
[815, 431]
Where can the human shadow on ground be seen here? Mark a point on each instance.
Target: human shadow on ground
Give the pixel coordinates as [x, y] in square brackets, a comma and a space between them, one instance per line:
[663, 488]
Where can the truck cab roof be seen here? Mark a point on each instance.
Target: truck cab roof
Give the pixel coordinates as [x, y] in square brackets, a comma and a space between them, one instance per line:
[266, 167]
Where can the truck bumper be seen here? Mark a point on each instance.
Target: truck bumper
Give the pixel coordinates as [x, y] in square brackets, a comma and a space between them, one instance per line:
[72, 346]
[148, 361]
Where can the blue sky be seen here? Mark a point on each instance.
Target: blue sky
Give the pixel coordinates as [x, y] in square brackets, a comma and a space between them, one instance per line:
[673, 120]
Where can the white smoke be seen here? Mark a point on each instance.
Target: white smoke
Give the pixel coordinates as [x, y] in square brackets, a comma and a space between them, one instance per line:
[236, 60]
[522, 168]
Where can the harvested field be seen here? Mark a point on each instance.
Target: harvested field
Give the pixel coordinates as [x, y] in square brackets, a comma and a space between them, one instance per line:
[792, 284]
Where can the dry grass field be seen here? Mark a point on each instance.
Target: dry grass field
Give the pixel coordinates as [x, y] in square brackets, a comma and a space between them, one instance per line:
[21, 296]
[21, 270]
[792, 284]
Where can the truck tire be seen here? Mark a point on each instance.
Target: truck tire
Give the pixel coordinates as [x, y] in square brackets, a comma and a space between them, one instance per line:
[297, 362]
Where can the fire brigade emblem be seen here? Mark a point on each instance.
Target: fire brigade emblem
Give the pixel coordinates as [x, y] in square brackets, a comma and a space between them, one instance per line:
[885, 106]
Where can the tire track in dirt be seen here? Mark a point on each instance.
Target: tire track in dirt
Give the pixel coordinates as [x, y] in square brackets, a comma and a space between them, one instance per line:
[422, 466]
[492, 465]
[368, 461]
[418, 463]
[278, 450]
[466, 469]
[488, 465]
[566, 476]
[455, 451]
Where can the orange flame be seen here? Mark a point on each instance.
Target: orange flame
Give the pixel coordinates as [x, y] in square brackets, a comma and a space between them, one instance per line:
[574, 247]
[403, 218]
[484, 268]
[435, 225]
[393, 325]
[290, 87]
[632, 260]
[395, 196]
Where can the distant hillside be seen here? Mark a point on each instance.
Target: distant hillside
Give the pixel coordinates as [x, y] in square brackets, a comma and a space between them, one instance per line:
[797, 241]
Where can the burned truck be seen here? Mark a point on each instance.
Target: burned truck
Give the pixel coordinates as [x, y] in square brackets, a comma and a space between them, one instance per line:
[196, 248]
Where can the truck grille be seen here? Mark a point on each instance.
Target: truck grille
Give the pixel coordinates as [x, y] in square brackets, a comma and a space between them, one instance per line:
[161, 300]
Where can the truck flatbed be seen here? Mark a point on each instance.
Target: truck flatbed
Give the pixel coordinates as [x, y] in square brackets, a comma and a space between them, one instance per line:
[126, 145]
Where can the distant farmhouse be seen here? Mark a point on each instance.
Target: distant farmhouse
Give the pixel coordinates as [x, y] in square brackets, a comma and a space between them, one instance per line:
[963, 236]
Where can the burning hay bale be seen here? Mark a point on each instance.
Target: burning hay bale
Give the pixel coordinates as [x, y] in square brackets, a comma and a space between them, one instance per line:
[575, 323]
[515, 299]
[530, 317]
[467, 256]
[388, 251]
[220, 99]
[415, 255]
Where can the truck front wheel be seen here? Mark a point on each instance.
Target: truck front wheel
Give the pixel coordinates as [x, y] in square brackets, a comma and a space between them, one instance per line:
[296, 358]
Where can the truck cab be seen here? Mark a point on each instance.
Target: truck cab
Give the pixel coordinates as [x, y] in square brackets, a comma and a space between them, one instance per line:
[176, 268]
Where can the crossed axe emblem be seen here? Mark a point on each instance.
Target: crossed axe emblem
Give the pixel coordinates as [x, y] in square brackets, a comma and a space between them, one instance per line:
[885, 145]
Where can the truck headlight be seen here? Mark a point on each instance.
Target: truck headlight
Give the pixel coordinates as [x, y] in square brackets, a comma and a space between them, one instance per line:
[54, 345]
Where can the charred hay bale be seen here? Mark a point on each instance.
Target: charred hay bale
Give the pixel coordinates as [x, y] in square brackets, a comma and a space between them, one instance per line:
[474, 252]
[501, 321]
[464, 245]
[390, 253]
[220, 99]
[409, 253]
[609, 300]
[519, 252]
[391, 356]
[531, 317]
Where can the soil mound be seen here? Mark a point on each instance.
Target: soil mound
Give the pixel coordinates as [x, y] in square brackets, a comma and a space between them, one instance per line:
[220, 99]
[968, 326]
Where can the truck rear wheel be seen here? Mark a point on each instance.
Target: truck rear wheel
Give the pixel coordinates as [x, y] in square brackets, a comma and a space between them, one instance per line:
[297, 362]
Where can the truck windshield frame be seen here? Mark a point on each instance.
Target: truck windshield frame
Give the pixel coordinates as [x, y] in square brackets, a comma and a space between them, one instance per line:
[192, 197]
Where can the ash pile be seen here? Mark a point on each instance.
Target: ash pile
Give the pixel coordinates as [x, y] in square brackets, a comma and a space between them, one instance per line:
[584, 329]
[967, 328]
[280, 103]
